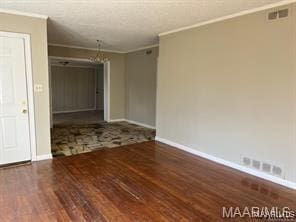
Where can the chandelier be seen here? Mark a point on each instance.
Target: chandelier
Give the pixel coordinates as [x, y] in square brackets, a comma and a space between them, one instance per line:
[100, 57]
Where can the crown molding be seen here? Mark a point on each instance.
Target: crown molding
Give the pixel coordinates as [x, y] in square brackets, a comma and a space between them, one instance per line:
[246, 12]
[74, 66]
[142, 48]
[85, 48]
[103, 50]
[70, 58]
[28, 14]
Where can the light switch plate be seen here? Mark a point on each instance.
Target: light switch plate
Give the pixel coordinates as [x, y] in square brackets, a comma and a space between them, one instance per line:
[38, 88]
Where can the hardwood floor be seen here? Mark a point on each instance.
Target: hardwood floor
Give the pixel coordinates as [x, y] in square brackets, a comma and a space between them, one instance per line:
[149, 181]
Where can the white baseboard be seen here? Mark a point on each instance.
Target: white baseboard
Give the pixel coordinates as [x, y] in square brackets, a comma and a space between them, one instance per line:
[140, 124]
[73, 111]
[43, 157]
[116, 120]
[236, 166]
[131, 121]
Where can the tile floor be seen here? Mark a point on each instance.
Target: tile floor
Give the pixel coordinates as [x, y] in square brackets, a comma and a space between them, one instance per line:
[74, 139]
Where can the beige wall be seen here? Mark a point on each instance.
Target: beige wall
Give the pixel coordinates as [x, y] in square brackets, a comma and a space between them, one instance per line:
[141, 86]
[228, 89]
[37, 28]
[73, 88]
[117, 75]
[100, 87]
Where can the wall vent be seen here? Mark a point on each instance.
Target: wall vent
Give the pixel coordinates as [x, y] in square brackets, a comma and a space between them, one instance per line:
[272, 15]
[246, 161]
[283, 13]
[276, 171]
[148, 52]
[262, 166]
[256, 164]
[266, 168]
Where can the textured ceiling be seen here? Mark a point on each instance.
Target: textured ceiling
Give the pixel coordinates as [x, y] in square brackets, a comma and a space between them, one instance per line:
[124, 24]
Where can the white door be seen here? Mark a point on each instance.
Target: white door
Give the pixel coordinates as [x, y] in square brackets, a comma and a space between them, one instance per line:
[14, 118]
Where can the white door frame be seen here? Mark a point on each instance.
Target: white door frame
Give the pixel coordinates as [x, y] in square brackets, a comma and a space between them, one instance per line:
[107, 91]
[30, 88]
[106, 84]
[50, 93]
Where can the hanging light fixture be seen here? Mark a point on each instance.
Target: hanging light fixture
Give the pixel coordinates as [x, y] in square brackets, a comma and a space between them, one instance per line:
[100, 57]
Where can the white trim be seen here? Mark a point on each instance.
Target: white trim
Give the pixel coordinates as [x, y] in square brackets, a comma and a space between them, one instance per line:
[43, 157]
[132, 122]
[75, 66]
[96, 87]
[73, 111]
[50, 91]
[71, 59]
[107, 73]
[270, 6]
[116, 120]
[140, 124]
[157, 97]
[236, 166]
[30, 92]
[28, 14]
[142, 48]
[85, 48]
[104, 50]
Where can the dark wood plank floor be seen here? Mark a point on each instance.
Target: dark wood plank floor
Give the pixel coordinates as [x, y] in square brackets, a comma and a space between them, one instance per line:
[141, 182]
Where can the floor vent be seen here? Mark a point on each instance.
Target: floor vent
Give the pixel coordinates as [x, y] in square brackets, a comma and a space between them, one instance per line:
[263, 166]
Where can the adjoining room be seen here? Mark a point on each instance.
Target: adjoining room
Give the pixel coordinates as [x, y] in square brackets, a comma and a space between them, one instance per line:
[82, 97]
[77, 91]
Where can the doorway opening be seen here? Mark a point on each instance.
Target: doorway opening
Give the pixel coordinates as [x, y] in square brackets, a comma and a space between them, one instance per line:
[79, 91]
[80, 101]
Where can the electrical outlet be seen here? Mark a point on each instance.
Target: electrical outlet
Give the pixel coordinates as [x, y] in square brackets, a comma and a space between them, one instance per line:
[38, 88]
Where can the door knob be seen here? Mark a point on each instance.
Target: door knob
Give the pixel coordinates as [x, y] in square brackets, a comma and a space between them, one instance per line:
[24, 111]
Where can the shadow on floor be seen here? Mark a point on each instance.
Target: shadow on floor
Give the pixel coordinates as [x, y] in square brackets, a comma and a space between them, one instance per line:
[78, 118]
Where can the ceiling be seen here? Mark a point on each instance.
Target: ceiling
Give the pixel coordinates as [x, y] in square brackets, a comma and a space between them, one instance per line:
[124, 25]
